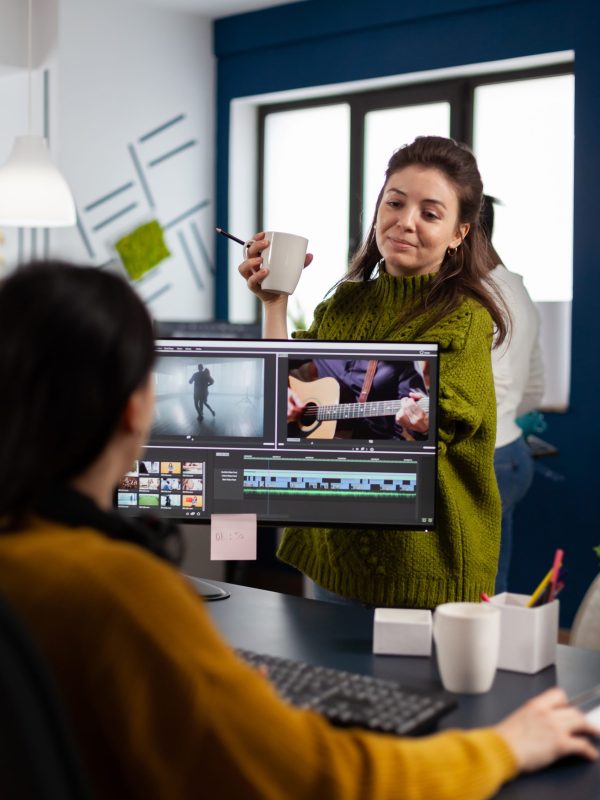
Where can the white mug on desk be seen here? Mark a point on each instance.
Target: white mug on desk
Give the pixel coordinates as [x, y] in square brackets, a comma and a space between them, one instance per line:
[467, 640]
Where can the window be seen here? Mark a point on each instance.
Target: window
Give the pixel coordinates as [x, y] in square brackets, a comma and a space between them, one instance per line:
[322, 164]
[306, 190]
[524, 143]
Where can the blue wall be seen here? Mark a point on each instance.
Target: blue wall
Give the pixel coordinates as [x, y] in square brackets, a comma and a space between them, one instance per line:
[329, 41]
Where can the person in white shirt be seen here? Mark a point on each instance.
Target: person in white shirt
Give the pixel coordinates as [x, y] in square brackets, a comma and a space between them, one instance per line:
[519, 383]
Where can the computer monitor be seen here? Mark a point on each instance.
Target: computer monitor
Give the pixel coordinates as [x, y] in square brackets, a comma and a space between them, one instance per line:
[222, 440]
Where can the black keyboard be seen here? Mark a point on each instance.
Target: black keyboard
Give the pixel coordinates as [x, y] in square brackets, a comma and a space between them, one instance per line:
[350, 699]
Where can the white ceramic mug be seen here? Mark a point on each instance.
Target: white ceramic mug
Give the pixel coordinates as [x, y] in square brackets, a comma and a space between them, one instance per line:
[284, 258]
[467, 640]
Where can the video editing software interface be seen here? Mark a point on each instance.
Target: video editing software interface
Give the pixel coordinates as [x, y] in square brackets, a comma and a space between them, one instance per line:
[297, 432]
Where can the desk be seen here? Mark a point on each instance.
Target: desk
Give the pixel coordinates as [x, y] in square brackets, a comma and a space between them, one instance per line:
[340, 636]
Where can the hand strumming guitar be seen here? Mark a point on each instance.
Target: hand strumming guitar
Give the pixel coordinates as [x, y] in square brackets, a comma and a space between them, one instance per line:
[411, 415]
[295, 406]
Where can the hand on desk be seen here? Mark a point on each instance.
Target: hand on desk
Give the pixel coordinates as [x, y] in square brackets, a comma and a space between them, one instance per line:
[547, 728]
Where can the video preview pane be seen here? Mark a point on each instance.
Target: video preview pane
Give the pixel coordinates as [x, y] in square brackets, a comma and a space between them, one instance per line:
[216, 397]
[324, 399]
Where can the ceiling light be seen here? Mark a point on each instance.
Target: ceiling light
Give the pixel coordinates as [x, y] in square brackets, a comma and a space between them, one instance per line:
[33, 193]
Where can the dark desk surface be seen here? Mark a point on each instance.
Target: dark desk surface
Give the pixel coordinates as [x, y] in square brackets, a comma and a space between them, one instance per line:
[340, 636]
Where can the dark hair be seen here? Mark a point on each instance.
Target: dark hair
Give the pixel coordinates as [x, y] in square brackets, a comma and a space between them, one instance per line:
[486, 215]
[464, 273]
[487, 225]
[75, 342]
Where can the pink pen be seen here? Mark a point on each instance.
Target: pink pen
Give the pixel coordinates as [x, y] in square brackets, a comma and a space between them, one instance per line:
[558, 556]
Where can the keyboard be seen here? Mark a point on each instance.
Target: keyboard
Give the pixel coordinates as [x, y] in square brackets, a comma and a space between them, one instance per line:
[349, 699]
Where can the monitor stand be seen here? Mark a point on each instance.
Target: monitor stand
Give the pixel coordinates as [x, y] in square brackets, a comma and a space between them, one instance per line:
[208, 590]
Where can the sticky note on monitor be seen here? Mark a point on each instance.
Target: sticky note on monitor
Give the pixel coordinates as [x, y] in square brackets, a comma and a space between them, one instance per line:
[233, 537]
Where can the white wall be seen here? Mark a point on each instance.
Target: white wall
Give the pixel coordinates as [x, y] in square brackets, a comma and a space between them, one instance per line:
[117, 71]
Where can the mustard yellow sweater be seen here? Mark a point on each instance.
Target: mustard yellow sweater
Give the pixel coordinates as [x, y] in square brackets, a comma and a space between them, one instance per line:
[162, 708]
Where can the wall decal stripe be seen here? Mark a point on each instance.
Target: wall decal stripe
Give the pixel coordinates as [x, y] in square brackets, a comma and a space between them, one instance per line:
[161, 128]
[113, 217]
[185, 214]
[110, 263]
[46, 101]
[158, 293]
[190, 260]
[108, 196]
[202, 248]
[172, 153]
[84, 238]
[141, 176]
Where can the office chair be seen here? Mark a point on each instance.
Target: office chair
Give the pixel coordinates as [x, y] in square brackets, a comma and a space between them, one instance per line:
[38, 759]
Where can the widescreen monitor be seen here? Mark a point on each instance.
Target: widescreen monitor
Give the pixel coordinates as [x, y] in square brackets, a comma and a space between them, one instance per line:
[280, 429]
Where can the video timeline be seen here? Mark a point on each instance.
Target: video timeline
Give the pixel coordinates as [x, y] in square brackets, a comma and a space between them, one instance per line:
[347, 484]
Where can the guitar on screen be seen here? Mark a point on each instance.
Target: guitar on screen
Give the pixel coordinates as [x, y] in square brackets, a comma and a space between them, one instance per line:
[323, 410]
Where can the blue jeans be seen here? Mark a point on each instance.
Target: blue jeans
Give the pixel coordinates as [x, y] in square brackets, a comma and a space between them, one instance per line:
[514, 472]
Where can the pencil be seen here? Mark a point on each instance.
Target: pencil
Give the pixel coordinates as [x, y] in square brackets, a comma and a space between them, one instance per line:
[230, 236]
[539, 589]
[544, 597]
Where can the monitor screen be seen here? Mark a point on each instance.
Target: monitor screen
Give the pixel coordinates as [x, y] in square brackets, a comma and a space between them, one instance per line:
[298, 432]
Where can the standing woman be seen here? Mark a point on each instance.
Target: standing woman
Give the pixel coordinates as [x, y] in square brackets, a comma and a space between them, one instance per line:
[420, 276]
[518, 370]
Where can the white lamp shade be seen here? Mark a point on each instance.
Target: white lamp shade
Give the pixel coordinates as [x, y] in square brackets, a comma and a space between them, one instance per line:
[33, 193]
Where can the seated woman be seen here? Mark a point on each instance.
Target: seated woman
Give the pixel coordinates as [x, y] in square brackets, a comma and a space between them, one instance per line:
[160, 705]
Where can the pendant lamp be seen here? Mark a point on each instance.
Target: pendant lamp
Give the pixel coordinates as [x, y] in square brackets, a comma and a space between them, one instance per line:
[33, 193]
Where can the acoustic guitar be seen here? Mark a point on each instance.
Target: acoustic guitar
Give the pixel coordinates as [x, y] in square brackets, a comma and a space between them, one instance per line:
[323, 409]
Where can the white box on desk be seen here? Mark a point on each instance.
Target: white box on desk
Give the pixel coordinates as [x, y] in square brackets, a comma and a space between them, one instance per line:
[528, 636]
[402, 632]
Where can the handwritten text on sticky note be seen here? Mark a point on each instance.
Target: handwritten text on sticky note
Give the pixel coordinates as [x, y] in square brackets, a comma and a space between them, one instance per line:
[233, 537]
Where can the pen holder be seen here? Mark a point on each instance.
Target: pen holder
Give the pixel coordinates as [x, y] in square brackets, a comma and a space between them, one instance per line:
[528, 636]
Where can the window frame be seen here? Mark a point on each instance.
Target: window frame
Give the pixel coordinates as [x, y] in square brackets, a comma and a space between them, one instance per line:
[459, 92]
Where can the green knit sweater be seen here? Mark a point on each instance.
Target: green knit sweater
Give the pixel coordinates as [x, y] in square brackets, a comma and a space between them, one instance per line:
[458, 560]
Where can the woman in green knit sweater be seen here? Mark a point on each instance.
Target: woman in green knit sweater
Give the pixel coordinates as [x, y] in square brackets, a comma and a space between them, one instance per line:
[420, 276]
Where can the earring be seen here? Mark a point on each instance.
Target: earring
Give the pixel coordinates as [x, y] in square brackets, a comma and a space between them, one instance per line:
[452, 251]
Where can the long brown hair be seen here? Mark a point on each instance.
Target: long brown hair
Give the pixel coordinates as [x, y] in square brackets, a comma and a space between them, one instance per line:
[462, 274]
